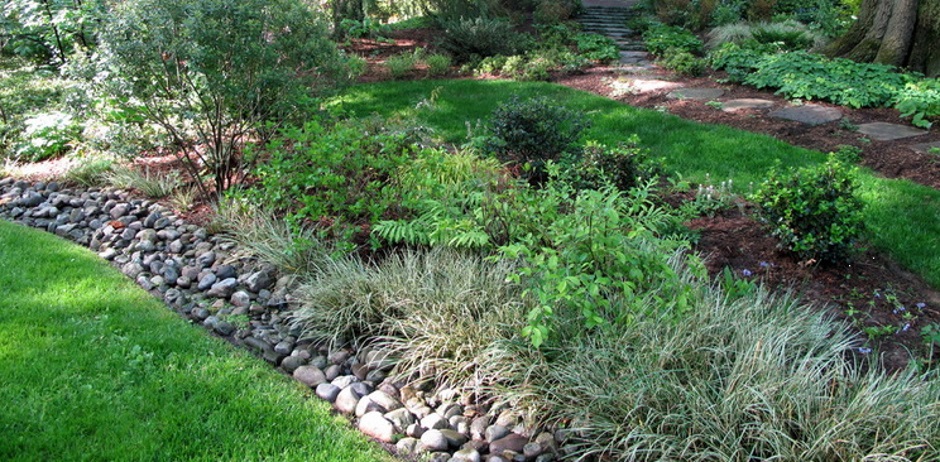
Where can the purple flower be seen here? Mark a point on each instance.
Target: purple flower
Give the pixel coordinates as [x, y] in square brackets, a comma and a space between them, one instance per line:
[764, 264]
[906, 327]
[746, 272]
[921, 305]
[864, 350]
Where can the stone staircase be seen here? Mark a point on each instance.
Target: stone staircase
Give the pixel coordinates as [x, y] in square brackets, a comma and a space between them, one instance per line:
[612, 22]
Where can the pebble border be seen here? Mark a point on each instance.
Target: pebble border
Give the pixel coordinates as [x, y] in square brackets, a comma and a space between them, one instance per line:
[205, 279]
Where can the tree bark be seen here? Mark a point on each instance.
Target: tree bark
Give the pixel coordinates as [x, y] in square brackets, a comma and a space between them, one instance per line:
[904, 33]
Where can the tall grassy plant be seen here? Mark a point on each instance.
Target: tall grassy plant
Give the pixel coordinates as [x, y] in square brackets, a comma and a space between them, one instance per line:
[757, 378]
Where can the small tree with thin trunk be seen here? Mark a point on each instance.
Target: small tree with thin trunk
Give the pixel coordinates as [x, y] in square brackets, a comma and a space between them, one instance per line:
[215, 74]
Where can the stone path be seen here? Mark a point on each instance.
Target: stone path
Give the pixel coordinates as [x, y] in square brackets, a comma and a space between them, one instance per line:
[882, 131]
[610, 19]
[809, 114]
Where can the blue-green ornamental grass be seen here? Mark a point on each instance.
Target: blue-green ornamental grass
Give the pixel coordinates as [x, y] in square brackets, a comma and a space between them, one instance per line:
[94, 368]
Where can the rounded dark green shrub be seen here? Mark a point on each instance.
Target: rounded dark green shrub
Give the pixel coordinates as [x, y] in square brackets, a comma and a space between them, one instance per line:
[623, 167]
[528, 133]
[482, 37]
[813, 211]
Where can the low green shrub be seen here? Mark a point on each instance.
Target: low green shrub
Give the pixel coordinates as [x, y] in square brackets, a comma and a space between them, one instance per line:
[598, 257]
[625, 166]
[597, 47]
[401, 64]
[438, 64]
[919, 100]
[787, 35]
[660, 37]
[334, 175]
[810, 76]
[481, 37]
[813, 211]
[47, 135]
[529, 133]
[739, 61]
[366, 28]
[683, 62]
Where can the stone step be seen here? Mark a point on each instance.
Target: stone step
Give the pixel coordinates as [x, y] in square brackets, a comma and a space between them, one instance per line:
[616, 19]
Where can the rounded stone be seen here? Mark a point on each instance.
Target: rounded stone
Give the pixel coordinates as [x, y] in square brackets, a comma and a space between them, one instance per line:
[406, 446]
[434, 440]
[375, 425]
[309, 375]
[466, 455]
[291, 363]
[327, 391]
[346, 400]
[512, 442]
[434, 421]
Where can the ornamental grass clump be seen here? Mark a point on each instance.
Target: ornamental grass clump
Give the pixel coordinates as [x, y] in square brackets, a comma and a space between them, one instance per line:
[432, 306]
[759, 377]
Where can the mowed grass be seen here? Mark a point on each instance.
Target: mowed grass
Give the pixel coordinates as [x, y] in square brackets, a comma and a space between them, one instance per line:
[93, 368]
[903, 217]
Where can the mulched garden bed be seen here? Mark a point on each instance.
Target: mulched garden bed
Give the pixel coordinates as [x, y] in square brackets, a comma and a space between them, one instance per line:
[870, 292]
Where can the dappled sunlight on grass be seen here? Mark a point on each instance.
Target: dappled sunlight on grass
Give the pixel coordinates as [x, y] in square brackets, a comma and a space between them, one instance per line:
[94, 365]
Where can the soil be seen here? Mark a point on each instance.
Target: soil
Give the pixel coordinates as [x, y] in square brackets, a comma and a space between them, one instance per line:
[886, 304]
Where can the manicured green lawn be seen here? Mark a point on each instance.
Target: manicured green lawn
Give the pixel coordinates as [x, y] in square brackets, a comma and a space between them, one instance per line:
[93, 368]
[903, 217]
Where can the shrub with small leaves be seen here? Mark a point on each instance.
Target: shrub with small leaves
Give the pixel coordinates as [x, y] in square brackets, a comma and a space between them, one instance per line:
[529, 133]
[47, 135]
[683, 62]
[597, 47]
[400, 64]
[624, 167]
[660, 37]
[438, 64]
[813, 211]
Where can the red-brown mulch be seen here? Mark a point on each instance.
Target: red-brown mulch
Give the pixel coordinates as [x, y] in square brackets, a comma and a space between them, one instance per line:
[870, 292]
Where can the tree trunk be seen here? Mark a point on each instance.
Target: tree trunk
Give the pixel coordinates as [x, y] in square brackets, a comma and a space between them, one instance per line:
[904, 33]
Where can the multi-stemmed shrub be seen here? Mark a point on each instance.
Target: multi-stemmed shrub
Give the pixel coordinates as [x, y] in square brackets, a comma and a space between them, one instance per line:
[813, 211]
[214, 74]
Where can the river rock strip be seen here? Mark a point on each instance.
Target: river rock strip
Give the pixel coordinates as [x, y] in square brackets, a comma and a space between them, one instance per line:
[205, 278]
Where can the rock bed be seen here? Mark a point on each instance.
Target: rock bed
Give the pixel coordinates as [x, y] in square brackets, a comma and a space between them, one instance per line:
[204, 278]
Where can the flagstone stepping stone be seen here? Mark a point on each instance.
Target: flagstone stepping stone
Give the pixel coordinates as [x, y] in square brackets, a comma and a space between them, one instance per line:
[883, 131]
[809, 114]
[742, 104]
[924, 148]
[696, 93]
[645, 85]
[633, 57]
